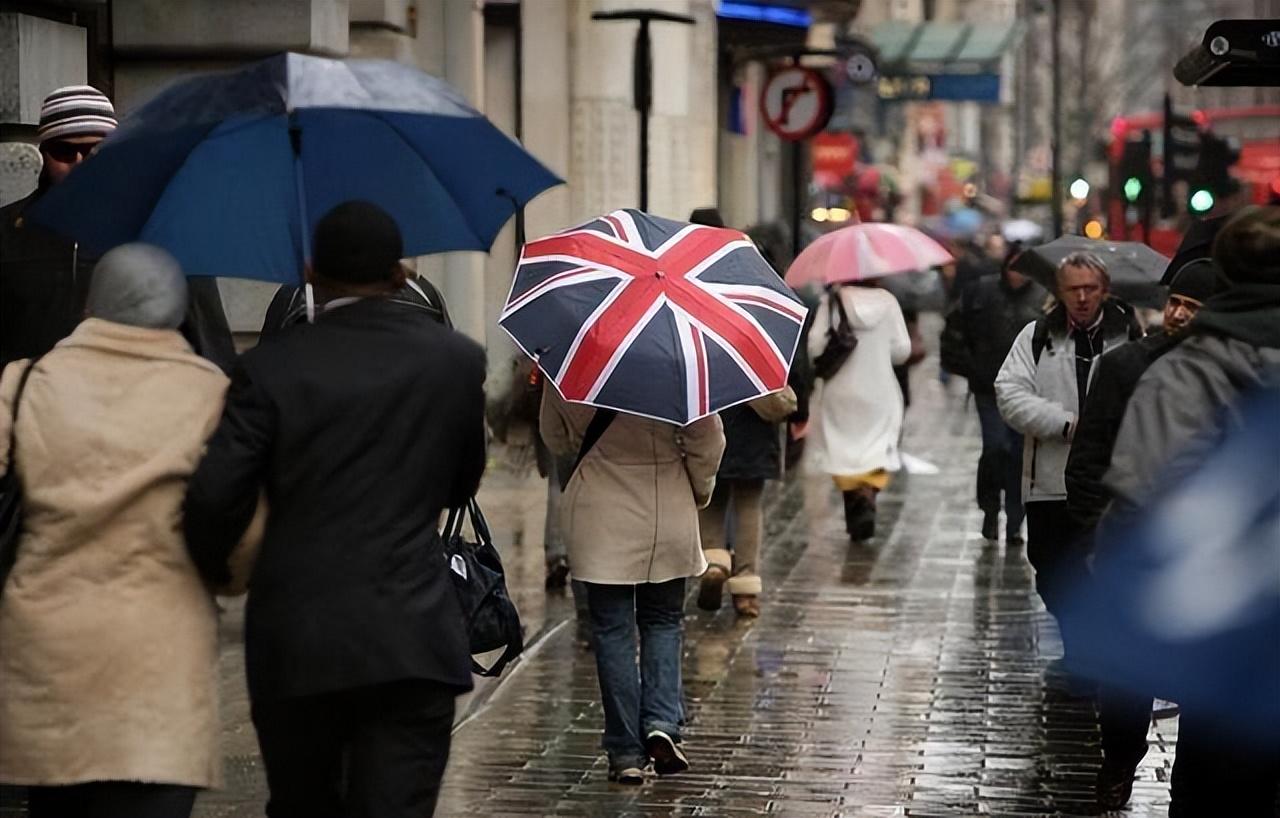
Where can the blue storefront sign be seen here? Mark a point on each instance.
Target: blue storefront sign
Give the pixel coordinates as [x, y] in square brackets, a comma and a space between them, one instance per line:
[943, 87]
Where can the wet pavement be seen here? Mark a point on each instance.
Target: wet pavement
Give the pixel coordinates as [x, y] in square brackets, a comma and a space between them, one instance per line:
[900, 677]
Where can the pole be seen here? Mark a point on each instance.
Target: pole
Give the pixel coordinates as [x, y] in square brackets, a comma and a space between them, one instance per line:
[797, 192]
[642, 72]
[642, 78]
[1055, 145]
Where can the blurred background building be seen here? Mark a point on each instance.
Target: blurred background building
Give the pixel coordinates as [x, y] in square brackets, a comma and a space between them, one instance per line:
[958, 117]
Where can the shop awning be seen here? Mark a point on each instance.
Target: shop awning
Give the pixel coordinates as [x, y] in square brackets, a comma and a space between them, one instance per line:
[913, 49]
[942, 61]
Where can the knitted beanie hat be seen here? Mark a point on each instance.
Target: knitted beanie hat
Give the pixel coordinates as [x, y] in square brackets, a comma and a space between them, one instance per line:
[76, 110]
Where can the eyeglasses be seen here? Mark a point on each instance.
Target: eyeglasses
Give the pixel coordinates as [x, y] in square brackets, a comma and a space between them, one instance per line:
[61, 151]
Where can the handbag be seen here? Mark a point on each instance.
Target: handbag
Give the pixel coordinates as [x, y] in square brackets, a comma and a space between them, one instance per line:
[491, 617]
[11, 491]
[841, 340]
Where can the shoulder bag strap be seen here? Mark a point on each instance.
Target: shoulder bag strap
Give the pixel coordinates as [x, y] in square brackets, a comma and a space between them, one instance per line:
[17, 401]
[595, 429]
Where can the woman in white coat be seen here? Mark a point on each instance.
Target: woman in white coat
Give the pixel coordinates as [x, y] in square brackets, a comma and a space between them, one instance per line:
[858, 417]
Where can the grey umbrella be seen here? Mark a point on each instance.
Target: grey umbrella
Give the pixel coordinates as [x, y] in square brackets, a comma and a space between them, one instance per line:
[1135, 268]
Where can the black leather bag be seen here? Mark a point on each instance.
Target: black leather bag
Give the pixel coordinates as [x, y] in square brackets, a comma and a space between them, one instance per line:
[841, 340]
[476, 569]
[11, 492]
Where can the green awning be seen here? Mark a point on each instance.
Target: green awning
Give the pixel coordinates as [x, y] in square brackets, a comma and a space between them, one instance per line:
[943, 48]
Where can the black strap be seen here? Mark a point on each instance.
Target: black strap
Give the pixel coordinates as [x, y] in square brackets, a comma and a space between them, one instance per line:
[17, 401]
[595, 429]
[1040, 338]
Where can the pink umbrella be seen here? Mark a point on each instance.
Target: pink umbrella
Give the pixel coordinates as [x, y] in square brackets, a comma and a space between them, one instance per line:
[864, 251]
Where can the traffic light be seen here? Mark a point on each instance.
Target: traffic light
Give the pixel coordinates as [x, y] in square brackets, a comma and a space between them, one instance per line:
[1212, 180]
[1135, 169]
[1181, 149]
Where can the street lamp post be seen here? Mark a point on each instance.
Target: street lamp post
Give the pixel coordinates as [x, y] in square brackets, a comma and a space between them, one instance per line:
[642, 78]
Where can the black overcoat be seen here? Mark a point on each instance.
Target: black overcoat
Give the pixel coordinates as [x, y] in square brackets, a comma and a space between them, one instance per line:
[361, 429]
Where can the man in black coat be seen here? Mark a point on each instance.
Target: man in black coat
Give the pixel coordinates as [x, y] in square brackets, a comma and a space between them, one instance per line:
[979, 332]
[1123, 715]
[361, 429]
[44, 277]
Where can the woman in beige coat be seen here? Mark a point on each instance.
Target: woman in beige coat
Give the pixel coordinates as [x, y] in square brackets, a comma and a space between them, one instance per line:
[108, 636]
[630, 516]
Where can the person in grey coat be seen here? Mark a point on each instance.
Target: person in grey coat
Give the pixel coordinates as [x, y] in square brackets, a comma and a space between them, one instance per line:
[1041, 390]
[1183, 408]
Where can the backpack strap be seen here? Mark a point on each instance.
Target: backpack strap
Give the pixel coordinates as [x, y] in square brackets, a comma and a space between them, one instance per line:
[1039, 338]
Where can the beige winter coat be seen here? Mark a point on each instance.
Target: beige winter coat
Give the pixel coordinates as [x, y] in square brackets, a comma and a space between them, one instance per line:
[108, 637]
[630, 512]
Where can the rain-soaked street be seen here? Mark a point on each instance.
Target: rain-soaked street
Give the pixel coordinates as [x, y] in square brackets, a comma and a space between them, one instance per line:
[904, 677]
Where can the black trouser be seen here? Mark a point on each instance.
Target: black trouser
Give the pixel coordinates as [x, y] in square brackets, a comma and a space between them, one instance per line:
[1124, 719]
[370, 752]
[1054, 551]
[1216, 774]
[111, 799]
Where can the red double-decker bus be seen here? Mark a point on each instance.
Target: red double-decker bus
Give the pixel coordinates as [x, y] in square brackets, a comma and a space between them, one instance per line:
[1255, 128]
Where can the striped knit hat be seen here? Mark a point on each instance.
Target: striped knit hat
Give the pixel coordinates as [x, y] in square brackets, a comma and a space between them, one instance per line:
[76, 110]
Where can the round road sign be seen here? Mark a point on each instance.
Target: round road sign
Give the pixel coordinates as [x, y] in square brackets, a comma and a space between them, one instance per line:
[796, 103]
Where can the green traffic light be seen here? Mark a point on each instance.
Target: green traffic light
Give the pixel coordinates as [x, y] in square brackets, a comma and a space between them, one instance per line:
[1201, 201]
[1132, 188]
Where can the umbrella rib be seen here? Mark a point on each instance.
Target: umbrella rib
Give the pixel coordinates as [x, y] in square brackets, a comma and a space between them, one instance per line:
[427, 162]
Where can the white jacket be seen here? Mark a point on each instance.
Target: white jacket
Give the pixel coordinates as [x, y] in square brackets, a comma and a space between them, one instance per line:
[857, 415]
[1041, 400]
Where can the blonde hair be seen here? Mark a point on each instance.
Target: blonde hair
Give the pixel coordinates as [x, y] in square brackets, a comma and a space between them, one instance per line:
[1089, 261]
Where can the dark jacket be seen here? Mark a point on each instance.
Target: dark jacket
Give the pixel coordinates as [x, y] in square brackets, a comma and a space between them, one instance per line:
[1113, 384]
[1186, 402]
[359, 445]
[752, 446]
[981, 327]
[44, 283]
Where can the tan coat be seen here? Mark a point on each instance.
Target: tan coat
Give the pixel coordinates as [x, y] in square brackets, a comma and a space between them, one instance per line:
[108, 637]
[630, 512]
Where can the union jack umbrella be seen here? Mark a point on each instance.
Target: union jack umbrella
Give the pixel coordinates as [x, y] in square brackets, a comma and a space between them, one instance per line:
[652, 317]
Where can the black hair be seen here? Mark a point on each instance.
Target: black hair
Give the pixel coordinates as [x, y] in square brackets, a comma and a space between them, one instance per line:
[357, 242]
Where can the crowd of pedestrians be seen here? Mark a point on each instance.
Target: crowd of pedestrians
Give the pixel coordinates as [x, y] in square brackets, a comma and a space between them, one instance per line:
[159, 469]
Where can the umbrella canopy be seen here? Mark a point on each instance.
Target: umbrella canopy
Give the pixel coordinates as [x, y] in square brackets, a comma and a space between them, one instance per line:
[653, 317]
[223, 170]
[1135, 268]
[1022, 230]
[861, 252]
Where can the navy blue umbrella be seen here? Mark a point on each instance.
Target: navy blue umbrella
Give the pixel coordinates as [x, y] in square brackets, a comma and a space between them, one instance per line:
[653, 317]
[224, 169]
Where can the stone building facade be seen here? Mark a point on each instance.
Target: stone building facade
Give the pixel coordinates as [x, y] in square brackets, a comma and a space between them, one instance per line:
[542, 70]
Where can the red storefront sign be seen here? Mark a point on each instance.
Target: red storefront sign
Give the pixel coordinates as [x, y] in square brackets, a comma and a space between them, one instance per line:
[834, 156]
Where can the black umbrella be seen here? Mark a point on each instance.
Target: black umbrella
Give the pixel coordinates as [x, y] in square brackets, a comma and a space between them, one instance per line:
[1135, 268]
[1196, 244]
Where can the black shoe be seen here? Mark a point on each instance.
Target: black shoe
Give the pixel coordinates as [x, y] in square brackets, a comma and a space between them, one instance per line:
[991, 526]
[628, 774]
[864, 527]
[1014, 541]
[1114, 787]
[667, 757]
[557, 573]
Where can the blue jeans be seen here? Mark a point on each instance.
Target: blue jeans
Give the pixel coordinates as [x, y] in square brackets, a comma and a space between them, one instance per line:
[642, 696]
[1000, 466]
